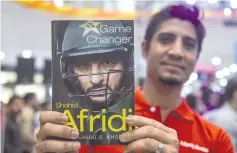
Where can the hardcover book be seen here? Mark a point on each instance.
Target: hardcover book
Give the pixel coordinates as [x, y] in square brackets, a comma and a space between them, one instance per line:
[93, 77]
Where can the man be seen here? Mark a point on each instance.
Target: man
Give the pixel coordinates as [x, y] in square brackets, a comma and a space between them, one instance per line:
[12, 139]
[165, 124]
[27, 123]
[226, 116]
[97, 70]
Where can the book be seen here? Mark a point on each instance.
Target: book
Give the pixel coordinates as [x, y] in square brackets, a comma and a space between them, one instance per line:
[93, 77]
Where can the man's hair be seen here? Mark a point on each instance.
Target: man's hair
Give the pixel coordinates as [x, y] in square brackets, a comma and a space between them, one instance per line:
[12, 99]
[230, 88]
[28, 96]
[176, 11]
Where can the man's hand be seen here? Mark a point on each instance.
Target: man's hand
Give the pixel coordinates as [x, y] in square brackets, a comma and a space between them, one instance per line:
[52, 125]
[149, 136]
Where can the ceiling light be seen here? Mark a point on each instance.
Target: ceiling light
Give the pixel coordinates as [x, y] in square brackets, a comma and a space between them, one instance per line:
[27, 54]
[233, 68]
[219, 75]
[216, 60]
[58, 3]
[2, 55]
[227, 11]
[191, 2]
[3, 78]
[233, 4]
[226, 71]
[223, 82]
[216, 88]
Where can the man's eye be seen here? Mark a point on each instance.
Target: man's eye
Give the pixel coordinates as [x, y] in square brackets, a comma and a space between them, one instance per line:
[189, 44]
[166, 39]
[108, 64]
[83, 67]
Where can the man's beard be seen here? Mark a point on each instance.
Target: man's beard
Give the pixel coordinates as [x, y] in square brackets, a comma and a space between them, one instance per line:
[98, 105]
[108, 100]
[170, 81]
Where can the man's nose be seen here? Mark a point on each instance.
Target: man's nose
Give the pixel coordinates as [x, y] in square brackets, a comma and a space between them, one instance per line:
[96, 78]
[177, 49]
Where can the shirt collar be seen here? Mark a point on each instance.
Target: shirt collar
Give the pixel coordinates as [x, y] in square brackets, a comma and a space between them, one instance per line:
[183, 111]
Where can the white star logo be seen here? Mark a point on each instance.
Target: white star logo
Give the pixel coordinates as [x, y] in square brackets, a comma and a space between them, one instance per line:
[90, 26]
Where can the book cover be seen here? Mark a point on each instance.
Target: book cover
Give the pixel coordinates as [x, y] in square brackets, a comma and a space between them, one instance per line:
[93, 77]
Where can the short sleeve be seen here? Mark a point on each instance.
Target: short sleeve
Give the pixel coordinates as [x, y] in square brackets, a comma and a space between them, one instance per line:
[223, 143]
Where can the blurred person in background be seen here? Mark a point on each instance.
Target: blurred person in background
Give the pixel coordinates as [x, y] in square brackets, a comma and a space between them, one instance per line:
[46, 106]
[192, 101]
[12, 139]
[214, 101]
[226, 115]
[200, 105]
[141, 82]
[206, 94]
[27, 123]
[207, 99]
[38, 109]
[222, 99]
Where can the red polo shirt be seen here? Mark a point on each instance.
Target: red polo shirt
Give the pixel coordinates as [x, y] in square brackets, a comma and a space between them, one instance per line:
[196, 135]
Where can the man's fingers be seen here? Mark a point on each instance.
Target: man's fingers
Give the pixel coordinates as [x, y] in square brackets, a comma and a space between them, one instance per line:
[57, 146]
[143, 121]
[144, 145]
[144, 132]
[61, 131]
[53, 117]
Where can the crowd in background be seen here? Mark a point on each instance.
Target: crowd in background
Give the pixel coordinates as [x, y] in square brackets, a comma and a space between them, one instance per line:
[205, 100]
[21, 115]
[20, 122]
[218, 108]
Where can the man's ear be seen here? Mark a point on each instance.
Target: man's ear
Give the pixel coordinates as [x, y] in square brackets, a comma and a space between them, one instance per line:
[144, 49]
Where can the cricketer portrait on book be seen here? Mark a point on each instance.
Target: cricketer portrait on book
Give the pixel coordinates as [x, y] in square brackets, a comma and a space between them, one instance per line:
[93, 77]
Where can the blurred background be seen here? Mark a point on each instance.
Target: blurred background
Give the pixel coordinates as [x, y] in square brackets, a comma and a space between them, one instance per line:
[25, 56]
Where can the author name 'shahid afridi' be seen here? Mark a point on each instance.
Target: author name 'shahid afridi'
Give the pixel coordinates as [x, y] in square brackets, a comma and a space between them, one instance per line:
[105, 32]
[106, 121]
[67, 105]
